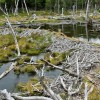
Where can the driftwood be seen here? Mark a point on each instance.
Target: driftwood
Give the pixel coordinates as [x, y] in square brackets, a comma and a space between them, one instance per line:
[4, 95]
[65, 70]
[9, 96]
[52, 94]
[86, 92]
[46, 87]
[63, 84]
[7, 71]
[31, 98]
[74, 91]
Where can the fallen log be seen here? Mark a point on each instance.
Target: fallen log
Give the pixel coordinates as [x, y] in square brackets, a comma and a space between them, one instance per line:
[8, 70]
[65, 70]
[52, 94]
[63, 84]
[31, 98]
[9, 96]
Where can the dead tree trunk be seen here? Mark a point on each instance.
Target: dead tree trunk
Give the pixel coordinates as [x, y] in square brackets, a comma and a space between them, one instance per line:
[26, 8]
[16, 42]
[7, 71]
[16, 9]
[87, 11]
[58, 7]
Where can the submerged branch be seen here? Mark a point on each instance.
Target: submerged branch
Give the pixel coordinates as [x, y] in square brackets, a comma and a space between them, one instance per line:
[7, 71]
[65, 70]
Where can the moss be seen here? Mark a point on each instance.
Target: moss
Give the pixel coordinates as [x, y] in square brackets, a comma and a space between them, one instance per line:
[17, 70]
[23, 59]
[85, 79]
[63, 95]
[20, 62]
[3, 59]
[5, 54]
[40, 64]
[12, 47]
[94, 95]
[28, 69]
[34, 47]
[34, 80]
[33, 52]
[30, 87]
[6, 40]
[56, 58]
[20, 87]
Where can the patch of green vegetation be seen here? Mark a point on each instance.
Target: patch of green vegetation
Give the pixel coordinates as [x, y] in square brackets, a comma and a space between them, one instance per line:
[55, 58]
[47, 20]
[32, 45]
[25, 69]
[17, 70]
[40, 64]
[63, 95]
[6, 40]
[32, 86]
[23, 59]
[94, 95]
[5, 54]
[28, 69]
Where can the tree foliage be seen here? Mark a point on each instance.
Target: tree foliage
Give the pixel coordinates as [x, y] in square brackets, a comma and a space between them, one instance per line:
[51, 4]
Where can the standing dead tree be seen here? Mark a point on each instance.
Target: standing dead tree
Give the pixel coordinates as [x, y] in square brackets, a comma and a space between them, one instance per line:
[87, 10]
[16, 9]
[26, 7]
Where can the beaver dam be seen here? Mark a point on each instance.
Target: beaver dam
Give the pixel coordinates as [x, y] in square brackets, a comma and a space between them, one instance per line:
[51, 66]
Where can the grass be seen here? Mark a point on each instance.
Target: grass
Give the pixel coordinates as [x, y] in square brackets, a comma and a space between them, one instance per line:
[27, 87]
[32, 45]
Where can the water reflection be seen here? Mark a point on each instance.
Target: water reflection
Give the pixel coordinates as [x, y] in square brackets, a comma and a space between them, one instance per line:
[80, 31]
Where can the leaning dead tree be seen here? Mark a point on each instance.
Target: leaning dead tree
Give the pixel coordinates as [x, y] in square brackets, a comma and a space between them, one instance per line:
[14, 34]
[7, 71]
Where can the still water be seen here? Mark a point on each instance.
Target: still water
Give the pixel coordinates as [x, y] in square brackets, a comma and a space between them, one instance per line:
[10, 81]
[78, 31]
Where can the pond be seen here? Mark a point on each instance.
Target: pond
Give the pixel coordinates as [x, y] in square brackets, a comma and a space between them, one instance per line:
[10, 81]
[78, 31]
